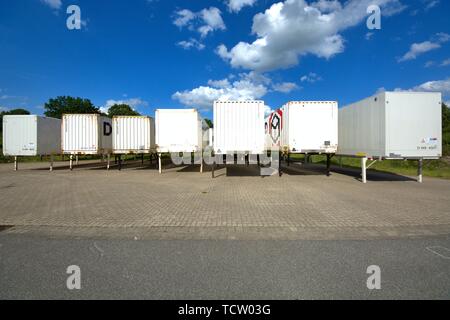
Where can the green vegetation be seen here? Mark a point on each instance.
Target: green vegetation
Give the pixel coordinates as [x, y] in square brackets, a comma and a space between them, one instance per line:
[55, 108]
[431, 168]
[209, 123]
[446, 130]
[122, 110]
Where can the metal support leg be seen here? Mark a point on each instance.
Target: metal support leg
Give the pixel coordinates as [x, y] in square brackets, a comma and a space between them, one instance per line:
[51, 162]
[108, 162]
[159, 163]
[76, 159]
[71, 162]
[201, 164]
[142, 159]
[212, 169]
[328, 164]
[257, 159]
[16, 166]
[120, 162]
[420, 171]
[364, 169]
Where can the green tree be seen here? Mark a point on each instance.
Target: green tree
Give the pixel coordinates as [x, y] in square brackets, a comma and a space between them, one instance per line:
[55, 108]
[209, 123]
[446, 129]
[122, 110]
[12, 112]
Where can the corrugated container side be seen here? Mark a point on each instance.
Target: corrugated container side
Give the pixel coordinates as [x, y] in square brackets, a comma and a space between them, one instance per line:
[178, 130]
[86, 134]
[239, 127]
[133, 134]
[362, 127]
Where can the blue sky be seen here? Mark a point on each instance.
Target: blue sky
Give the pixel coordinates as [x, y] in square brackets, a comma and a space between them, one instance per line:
[175, 54]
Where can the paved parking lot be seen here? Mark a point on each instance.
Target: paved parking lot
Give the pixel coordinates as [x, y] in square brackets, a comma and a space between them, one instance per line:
[303, 203]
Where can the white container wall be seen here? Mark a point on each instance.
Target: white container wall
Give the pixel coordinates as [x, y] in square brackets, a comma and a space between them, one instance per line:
[239, 127]
[86, 134]
[133, 134]
[304, 127]
[31, 135]
[178, 130]
[393, 125]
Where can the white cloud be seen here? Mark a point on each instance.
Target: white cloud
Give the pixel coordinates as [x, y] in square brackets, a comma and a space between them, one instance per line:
[244, 86]
[134, 103]
[445, 63]
[237, 5]
[191, 43]
[293, 28]
[248, 86]
[369, 35]
[429, 4]
[204, 21]
[184, 17]
[285, 87]
[418, 49]
[311, 77]
[442, 86]
[54, 4]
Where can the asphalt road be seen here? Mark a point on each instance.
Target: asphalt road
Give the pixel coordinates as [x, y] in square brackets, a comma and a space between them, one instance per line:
[34, 267]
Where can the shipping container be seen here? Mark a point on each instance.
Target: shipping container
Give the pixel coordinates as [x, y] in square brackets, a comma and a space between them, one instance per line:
[86, 134]
[179, 130]
[133, 135]
[239, 127]
[304, 127]
[393, 125]
[31, 135]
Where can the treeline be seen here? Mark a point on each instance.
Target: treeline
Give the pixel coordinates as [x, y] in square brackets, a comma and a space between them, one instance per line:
[446, 129]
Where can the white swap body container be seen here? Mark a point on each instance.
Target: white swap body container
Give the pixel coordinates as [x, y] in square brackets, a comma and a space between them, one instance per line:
[393, 125]
[86, 134]
[178, 130]
[304, 127]
[239, 127]
[133, 134]
[31, 135]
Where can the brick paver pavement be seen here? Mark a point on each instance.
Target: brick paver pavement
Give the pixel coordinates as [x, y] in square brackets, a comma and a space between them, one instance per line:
[183, 198]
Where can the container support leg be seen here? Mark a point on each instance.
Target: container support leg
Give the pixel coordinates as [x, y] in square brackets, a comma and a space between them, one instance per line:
[71, 162]
[201, 163]
[16, 165]
[76, 159]
[142, 159]
[108, 161]
[420, 171]
[51, 162]
[364, 169]
[212, 169]
[328, 164]
[120, 162]
[159, 163]
[257, 159]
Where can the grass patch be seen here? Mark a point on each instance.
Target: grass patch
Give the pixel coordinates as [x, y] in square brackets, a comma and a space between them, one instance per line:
[431, 168]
